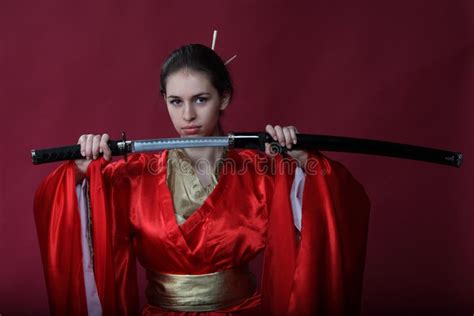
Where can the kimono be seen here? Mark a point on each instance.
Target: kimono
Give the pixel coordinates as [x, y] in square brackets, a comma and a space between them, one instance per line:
[315, 271]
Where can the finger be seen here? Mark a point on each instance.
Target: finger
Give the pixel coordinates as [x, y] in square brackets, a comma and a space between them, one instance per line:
[288, 140]
[95, 146]
[293, 135]
[82, 141]
[105, 147]
[280, 136]
[89, 139]
[267, 148]
[271, 130]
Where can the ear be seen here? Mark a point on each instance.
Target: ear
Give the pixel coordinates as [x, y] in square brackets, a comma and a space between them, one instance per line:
[225, 101]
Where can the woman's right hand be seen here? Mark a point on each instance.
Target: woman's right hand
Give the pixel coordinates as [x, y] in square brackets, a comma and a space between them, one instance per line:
[91, 147]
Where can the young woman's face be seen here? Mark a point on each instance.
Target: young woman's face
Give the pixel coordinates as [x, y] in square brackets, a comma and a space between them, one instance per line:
[193, 103]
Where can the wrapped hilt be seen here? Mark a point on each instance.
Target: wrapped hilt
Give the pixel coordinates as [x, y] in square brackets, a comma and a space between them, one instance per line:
[39, 156]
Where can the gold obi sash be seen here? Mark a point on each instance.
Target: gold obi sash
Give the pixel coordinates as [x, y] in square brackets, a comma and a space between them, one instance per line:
[200, 292]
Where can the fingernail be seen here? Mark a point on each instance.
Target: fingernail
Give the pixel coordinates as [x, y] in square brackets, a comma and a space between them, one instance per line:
[101, 151]
[83, 154]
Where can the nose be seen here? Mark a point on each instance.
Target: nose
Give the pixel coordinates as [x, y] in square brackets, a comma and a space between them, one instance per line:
[189, 112]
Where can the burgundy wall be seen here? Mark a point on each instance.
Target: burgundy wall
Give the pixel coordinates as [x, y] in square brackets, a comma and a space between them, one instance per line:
[394, 70]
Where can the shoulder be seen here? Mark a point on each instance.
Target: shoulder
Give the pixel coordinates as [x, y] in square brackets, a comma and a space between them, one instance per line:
[319, 163]
[248, 162]
[249, 154]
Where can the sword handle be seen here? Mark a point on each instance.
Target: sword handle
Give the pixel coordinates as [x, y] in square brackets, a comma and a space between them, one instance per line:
[40, 156]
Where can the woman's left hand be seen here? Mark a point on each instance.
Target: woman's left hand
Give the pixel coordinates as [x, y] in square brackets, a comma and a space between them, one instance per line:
[286, 137]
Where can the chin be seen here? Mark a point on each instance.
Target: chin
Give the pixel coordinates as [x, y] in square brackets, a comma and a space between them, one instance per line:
[191, 135]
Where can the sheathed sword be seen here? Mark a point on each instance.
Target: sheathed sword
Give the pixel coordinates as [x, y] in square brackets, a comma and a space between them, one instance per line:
[257, 141]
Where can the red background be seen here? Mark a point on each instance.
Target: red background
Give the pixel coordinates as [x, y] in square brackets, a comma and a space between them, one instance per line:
[394, 70]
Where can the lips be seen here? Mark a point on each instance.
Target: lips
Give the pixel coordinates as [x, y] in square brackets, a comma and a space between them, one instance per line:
[190, 130]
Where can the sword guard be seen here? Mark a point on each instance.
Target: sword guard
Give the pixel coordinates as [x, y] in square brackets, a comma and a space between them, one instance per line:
[124, 140]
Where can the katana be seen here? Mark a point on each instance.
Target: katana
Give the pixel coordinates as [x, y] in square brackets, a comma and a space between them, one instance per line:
[257, 140]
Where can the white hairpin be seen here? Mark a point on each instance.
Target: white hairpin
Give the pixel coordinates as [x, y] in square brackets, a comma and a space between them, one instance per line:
[214, 36]
[230, 59]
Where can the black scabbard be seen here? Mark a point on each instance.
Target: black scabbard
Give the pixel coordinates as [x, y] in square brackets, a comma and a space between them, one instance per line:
[353, 145]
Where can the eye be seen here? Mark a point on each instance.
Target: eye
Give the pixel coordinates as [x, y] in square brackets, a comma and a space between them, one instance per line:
[175, 102]
[200, 100]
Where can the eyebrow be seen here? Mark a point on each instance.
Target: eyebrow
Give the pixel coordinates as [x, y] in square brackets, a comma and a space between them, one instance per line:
[194, 96]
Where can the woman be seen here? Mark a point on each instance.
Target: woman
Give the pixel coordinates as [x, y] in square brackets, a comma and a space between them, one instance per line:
[194, 218]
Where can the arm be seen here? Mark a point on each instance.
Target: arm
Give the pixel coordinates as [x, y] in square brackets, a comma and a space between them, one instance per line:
[296, 196]
[65, 249]
[59, 234]
[323, 272]
[287, 136]
[92, 297]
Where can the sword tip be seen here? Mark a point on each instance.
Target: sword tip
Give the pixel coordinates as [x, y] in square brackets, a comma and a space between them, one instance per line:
[33, 156]
[459, 159]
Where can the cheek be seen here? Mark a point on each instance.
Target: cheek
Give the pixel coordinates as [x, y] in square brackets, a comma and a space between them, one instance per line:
[173, 115]
[212, 117]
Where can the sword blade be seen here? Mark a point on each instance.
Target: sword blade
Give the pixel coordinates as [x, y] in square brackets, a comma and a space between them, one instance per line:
[147, 145]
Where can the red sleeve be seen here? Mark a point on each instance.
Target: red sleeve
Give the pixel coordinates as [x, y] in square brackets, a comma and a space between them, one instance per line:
[58, 226]
[322, 273]
[114, 259]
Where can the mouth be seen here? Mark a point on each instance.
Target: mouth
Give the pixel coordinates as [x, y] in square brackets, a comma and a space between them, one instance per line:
[191, 130]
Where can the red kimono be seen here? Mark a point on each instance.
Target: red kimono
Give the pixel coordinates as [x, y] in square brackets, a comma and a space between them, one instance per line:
[132, 216]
